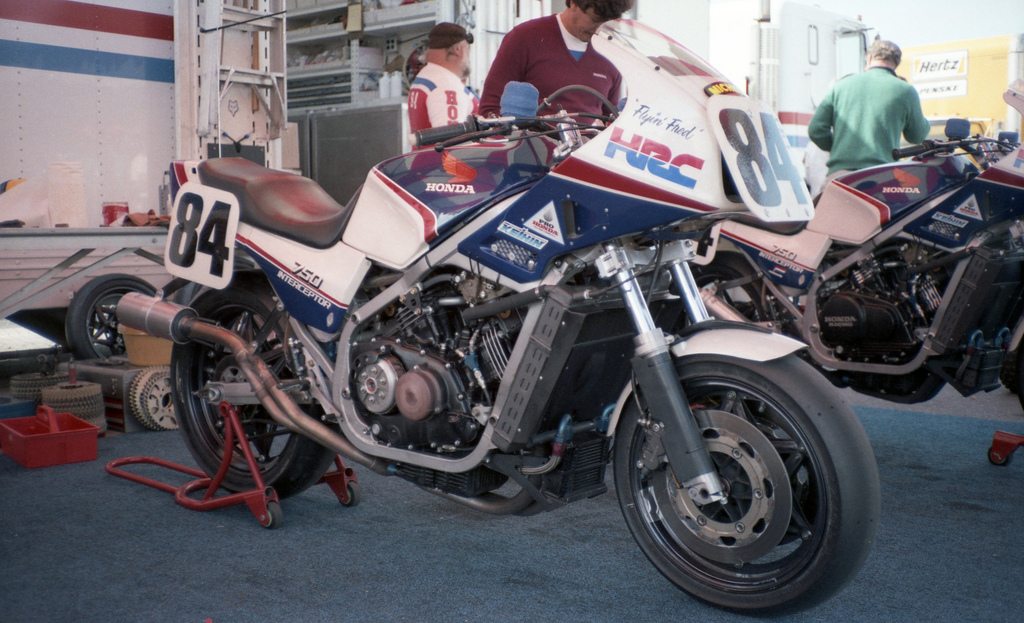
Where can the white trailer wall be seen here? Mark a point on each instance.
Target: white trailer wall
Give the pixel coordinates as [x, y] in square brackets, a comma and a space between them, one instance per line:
[90, 84]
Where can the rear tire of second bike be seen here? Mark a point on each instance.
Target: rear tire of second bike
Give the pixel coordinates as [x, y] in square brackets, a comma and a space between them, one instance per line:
[91, 326]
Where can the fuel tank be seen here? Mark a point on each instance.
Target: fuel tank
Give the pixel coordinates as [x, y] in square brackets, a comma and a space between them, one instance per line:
[411, 201]
[858, 205]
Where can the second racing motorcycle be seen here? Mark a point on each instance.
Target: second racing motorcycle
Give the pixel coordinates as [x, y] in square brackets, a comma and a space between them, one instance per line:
[909, 276]
[500, 318]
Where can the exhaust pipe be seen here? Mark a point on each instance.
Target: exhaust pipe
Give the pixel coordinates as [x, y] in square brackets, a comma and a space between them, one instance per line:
[717, 307]
[181, 324]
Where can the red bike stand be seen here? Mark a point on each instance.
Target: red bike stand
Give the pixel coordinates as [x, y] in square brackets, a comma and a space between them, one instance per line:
[262, 500]
[1003, 447]
[343, 483]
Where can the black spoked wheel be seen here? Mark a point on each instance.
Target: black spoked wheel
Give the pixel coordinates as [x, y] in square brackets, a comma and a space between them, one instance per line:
[802, 484]
[91, 322]
[288, 462]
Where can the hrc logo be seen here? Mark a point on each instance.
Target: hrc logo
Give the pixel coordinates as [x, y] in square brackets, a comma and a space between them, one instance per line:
[654, 157]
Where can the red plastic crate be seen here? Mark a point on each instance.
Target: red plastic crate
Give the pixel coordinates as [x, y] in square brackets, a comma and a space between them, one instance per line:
[48, 438]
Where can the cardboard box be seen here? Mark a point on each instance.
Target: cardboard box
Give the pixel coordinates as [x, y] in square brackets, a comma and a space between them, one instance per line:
[144, 349]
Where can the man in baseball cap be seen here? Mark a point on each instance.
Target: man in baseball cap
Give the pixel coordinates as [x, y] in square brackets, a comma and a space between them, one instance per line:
[438, 95]
[447, 34]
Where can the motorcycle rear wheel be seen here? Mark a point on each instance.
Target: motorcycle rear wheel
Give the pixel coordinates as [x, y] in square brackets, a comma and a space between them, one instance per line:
[803, 487]
[288, 462]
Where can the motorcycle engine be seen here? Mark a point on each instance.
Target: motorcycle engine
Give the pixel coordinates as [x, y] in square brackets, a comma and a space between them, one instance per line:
[424, 380]
[879, 310]
[859, 322]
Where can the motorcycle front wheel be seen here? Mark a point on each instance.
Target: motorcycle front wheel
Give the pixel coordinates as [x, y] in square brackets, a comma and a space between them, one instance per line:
[288, 462]
[802, 485]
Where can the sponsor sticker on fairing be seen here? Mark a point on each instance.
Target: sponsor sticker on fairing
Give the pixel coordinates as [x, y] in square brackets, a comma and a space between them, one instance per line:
[545, 223]
[969, 208]
[653, 157]
[720, 88]
[453, 189]
[949, 219]
[518, 233]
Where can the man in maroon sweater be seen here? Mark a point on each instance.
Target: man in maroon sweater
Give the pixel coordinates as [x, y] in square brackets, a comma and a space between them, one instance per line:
[554, 51]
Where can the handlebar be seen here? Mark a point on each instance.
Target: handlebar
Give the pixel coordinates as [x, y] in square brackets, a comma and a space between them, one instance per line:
[446, 132]
[913, 150]
[981, 148]
[474, 128]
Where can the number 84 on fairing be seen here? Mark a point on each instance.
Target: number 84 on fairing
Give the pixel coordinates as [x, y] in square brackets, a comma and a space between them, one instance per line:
[757, 155]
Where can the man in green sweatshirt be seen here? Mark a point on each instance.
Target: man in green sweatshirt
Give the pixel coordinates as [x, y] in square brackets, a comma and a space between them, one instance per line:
[861, 119]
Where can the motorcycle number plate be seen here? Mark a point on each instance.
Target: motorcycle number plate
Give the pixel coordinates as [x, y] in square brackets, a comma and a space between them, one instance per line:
[757, 154]
[201, 239]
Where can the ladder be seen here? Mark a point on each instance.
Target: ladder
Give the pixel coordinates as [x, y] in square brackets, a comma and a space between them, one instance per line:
[230, 79]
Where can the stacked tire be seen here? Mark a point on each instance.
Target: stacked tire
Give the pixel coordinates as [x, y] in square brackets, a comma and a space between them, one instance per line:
[83, 400]
[29, 385]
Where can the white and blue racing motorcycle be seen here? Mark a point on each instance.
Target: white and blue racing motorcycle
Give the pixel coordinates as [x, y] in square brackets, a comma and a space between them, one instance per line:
[498, 319]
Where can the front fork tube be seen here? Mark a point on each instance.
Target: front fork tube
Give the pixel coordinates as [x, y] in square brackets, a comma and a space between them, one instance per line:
[659, 384]
[689, 291]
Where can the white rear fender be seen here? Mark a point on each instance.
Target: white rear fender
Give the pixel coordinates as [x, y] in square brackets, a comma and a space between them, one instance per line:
[743, 343]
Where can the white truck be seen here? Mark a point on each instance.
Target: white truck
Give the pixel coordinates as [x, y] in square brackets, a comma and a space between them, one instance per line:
[786, 54]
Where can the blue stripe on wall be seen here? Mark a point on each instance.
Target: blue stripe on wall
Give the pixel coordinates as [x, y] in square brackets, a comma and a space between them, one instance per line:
[797, 141]
[79, 61]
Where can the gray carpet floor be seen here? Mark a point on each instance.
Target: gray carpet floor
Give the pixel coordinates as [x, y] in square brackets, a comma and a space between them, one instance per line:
[78, 545]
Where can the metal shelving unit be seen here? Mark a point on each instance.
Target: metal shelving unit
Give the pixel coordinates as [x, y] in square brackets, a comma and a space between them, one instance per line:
[354, 64]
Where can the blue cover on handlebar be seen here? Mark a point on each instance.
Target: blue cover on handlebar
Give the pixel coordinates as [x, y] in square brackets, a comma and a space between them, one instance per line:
[957, 128]
[519, 99]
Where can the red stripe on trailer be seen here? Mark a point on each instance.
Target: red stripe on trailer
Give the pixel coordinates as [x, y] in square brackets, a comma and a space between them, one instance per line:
[795, 118]
[86, 16]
